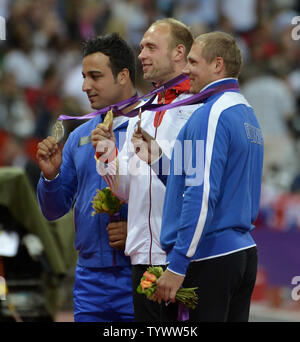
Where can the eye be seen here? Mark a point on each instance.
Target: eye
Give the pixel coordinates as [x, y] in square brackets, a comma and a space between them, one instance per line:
[192, 62]
[95, 76]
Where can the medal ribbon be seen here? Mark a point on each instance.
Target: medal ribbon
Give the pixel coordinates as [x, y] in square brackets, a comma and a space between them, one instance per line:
[197, 98]
[118, 107]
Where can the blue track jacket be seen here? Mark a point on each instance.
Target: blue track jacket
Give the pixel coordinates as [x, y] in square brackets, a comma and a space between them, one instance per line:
[213, 190]
[78, 181]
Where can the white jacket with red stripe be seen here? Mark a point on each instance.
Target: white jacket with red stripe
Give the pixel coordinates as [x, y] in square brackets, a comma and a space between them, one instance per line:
[138, 185]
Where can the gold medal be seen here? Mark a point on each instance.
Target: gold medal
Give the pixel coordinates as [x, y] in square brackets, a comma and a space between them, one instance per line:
[58, 131]
[109, 117]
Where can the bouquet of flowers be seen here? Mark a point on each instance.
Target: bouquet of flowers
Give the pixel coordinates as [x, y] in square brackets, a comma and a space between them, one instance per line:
[185, 296]
[106, 202]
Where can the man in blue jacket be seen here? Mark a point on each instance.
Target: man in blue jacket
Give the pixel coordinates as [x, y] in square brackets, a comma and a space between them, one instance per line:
[102, 289]
[210, 207]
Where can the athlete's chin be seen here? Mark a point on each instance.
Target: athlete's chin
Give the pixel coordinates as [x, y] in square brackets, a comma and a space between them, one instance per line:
[99, 104]
[148, 76]
[94, 106]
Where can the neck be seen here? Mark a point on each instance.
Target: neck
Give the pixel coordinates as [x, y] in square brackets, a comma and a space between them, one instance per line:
[163, 81]
[128, 94]
[177, 71]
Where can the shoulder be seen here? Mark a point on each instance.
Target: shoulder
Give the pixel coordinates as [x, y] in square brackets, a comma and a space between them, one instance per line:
[217, 109]
[83, 130]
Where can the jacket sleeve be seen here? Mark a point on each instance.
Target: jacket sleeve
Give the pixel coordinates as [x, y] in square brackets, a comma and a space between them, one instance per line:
[56, 197]
[209, 148]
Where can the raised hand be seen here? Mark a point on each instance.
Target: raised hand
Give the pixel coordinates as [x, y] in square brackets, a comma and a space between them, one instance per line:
[145, 146]
[103, 140]
[49, 157]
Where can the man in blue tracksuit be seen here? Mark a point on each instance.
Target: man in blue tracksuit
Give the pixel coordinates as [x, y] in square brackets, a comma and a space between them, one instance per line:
[102, 289]
[210, 206]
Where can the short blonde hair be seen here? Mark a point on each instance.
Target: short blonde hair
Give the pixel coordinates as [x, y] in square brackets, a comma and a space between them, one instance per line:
[221, 44]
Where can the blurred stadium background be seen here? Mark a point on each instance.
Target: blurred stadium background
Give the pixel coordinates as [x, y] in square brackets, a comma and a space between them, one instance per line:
[40, 78]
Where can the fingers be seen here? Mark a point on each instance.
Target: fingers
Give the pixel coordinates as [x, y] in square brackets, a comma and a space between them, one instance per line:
[118, 244]
[163, 293]
[101, 133]
[137, 134]
[47, 148]
[117, 233]
[172, 295]
[117, 229]
[103, 141]
[153, 297]
[147, 137]
[168, 285]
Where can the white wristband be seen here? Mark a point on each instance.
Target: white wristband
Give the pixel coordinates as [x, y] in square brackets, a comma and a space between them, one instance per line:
[50, 180]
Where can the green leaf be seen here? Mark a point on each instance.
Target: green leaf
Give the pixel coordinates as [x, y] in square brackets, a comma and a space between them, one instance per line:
[139, 289]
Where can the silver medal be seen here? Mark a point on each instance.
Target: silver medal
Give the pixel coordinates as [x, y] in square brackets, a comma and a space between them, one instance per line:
[58, 131]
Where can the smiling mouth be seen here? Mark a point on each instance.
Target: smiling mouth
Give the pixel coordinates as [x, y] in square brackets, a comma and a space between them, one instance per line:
[146, 66]
[91, 97]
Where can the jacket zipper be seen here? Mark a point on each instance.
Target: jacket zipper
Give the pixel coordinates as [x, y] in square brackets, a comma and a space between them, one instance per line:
[150, 190]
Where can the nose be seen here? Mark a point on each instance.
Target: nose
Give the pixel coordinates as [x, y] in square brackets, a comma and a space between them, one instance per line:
[186, 70]
[141, 55]
[86, 85]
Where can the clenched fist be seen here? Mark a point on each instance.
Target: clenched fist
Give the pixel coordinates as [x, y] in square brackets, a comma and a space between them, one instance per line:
[49, 157]
[117, 233]
[104, 141]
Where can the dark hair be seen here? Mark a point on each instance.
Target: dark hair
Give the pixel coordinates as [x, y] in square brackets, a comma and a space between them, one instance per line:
[116, 48]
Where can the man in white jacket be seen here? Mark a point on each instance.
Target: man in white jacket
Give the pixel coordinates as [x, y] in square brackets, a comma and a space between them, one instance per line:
[164, 50]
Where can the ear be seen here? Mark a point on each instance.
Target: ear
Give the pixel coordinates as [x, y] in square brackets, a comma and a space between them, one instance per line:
[219, 66]
[123, 76]
[179, 53]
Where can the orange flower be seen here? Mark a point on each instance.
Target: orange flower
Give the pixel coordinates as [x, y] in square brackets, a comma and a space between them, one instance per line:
[150, 277]
[146, 284]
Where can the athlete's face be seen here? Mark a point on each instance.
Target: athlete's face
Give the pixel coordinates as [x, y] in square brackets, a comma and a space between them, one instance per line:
[200, 72]
[156, 54]
[99, 83]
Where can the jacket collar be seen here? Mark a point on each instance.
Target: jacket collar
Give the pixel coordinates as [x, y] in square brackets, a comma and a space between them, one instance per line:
[170, 94]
